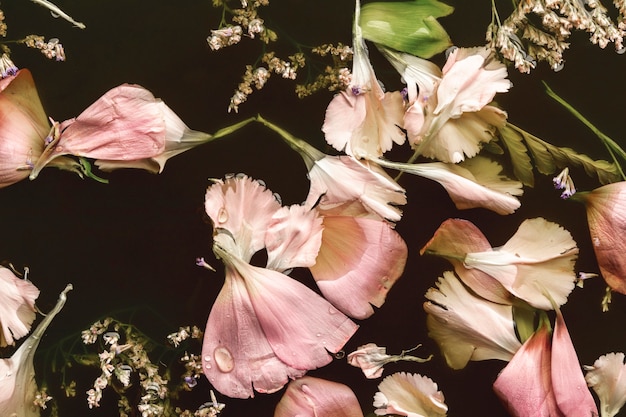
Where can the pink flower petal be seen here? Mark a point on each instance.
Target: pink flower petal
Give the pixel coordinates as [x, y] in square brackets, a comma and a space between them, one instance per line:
[453, 240]
[467, 327]
[314, 397]
[293, 238]
[245, 208]
[359, 261]
[524, 385]
[570, 388]
[17, 306]
[24, 127]
[336, 180]
[606, 214]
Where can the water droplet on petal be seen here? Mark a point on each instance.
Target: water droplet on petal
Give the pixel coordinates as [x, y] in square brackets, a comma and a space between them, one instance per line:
[222, 215]
[223, 359]
[318, 335]
[207, 358]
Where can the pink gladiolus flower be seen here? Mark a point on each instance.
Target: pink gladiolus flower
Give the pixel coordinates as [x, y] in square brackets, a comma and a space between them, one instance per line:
[410, 395]
[467, 327]
[607, 225]
[125, 128]
[17, 306]
[607, 377]
[264, 327]
[315, 397]
[364, 121]
[17, 373]
[23, 127]
[359, 260]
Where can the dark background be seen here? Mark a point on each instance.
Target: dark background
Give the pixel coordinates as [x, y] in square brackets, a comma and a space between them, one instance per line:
[130, 245]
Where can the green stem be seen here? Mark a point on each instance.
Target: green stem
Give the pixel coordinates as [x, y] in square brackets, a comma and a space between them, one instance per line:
[613, 148]
[232, 128]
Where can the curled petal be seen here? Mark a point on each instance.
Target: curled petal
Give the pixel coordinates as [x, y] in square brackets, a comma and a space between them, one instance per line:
[315, 397]
[409, 395]
[606, 214]
[607, 377]
[17, 306]
[467, 327]
[359, 261]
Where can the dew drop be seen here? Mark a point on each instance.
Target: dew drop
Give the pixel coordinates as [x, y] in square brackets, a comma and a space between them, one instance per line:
[222, 215]
[621, 50]
[318, 335]
[207, 358]
[223, 359]
[596, 241]
[207, 366]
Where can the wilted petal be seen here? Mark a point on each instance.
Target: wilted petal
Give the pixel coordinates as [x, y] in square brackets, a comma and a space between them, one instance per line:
[358, 262]
[467, 327]
[409, 395]
[607, 377]
[245, 208]
[18, 386]
[23, 127]
[315, 397]
[339, 179]
[538, 258]
[17, 306]
[371, 359]
[606, 213]
[477, 184]
[570, 388]
[525, 386]
[453, 240]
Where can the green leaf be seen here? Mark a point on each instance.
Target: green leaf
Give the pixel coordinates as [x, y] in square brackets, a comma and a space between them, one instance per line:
[407, 26]
[548, 158]
[522, 165]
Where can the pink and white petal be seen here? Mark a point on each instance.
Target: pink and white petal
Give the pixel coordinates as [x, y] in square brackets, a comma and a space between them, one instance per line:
[301, 326]
[236, 355]
[293, 238]
[607, 377]
[410, 395]
[315, 397]
[359, 261]
[524, 386]
[126, 123]
[414, 121]
[336, 180]
[570, 388]
[453, 240]
[467, 327]
[245, 208]
[17, 306]
[540, 240]
[345, 114]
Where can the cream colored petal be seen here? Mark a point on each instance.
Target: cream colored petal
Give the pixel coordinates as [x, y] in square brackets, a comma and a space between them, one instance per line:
[411, 395]
[607, 377]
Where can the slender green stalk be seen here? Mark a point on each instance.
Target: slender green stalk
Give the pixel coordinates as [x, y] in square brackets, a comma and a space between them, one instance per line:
[613, 148]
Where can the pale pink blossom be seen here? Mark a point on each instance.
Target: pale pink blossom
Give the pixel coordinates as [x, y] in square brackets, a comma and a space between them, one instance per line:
[607, 377]
[315, 397]
[18, 387]
[371, 358]
[359, 260]
[452, 118]
[23, 127]
[538, 259]
[264, 327]
[467, 327]
[17, 306]
[125, 128]
[477, 182]
[412, 395]
[606, 214]
[364, 121]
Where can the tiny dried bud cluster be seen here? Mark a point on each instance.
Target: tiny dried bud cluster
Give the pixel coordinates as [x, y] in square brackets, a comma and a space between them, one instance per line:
[226, 36]
[3, 26]
[524, 44]
[336, 77]
[53, 49]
